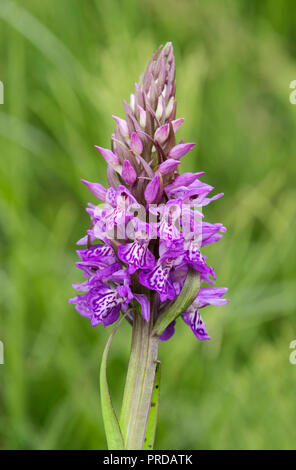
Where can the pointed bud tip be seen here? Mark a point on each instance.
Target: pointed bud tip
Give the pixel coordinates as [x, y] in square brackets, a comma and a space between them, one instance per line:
[96, 188]
[168, 47]
[110, 157]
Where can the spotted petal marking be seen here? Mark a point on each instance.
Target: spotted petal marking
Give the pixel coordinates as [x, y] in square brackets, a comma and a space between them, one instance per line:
[168, 231]
[96, 251]
[136, 255]
[193, 319]
[102, 303]
[158, 279]
[105, 304]
[194, 253]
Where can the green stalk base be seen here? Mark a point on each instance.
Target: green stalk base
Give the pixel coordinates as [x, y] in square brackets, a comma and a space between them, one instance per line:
[139, 384]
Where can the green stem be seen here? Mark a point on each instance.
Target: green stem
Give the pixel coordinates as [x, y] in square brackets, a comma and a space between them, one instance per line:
[139, 384]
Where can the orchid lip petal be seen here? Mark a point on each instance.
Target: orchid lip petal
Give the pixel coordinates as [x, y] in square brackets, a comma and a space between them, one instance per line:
[136, 255]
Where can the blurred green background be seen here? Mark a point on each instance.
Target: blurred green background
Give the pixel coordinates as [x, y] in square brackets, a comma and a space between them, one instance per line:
[66, 66]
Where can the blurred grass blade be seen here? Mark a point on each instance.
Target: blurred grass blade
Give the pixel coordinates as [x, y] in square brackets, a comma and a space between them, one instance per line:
[43, 39]
[184, 299]
[111, 423]
[152, 420]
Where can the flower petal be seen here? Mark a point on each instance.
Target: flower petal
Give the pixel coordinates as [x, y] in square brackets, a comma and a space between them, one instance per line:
[109, 156]
[97, 189]
[145, 305]
[177, 124]
[168, 332]
[128, 173]
[136, 255]
[168, 166]
[152, 189]
[136, 144]
[194, 320]
[162, 133]
[122, 125]
[181, 149]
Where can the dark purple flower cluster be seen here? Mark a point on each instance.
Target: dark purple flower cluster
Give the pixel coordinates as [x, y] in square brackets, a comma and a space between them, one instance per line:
[148, 229]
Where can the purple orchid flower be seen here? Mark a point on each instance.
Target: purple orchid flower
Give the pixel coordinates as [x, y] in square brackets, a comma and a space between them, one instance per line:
[102, 304]
[137, 254]
[206, 296]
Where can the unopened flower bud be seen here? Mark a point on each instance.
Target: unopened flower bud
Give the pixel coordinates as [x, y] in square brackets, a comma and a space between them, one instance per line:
[136, 144]
[108, 155]
[169, 107]
[123, 127]
[128, 173]
[162, 133]
[142, 113]
[97, 189]
[181, 149]
[168, 166]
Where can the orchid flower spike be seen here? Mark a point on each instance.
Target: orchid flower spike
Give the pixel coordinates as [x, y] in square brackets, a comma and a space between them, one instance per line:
[143, 257]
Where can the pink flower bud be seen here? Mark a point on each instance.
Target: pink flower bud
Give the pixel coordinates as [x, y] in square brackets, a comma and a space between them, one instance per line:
[169, 107]
[177, 124]
[136, 144]
[128, 173]
[168, 165]
[109, 157]
[152, 189]
[181, 149]
[97, 189]
[122, 125]
[142, 113]
[160, 108]
[162, 133]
